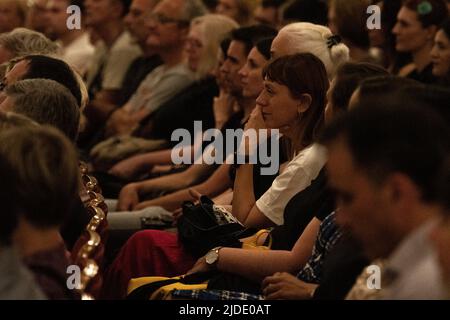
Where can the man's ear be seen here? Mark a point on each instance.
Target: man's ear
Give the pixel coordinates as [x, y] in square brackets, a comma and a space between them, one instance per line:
[401, 189]
[304, 103]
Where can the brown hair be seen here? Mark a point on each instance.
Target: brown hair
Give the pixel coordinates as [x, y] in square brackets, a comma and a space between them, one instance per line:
[44, 165]
[351, 21]
[303, 73]
[348, 77]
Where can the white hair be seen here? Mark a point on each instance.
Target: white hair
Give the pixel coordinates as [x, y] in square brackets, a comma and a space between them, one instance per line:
[23, 42]
[308, 37]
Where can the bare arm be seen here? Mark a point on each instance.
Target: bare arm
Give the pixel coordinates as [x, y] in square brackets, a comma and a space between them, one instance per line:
[244, 202]
[129, 168]
[258, 264]
[244, 207]
[175, 181]
[132, 193]
[215, 185]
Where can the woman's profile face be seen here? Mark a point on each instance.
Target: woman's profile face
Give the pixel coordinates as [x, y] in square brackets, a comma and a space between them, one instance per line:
[251, 74]
[410, 35]
[440, 55]
[279, 108]
[194, 47]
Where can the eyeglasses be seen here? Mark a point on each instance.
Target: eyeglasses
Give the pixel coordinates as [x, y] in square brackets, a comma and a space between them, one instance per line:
[160, 18]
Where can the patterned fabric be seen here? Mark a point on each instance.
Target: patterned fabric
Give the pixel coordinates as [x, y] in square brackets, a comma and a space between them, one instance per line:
[214, 295]
[327, 238]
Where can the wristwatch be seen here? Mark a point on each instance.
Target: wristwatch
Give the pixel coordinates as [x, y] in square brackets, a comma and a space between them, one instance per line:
[212, 256]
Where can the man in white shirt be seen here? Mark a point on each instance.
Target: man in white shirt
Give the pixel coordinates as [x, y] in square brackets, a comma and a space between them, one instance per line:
[383, 171]
[76, 48]
[113, 53]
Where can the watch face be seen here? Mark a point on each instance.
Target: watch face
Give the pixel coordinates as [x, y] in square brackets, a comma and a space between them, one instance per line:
[211, 257]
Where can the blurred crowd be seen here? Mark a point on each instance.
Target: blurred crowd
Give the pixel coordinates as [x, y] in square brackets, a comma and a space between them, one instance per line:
[92, 92]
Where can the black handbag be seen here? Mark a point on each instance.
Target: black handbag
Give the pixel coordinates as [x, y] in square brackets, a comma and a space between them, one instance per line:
[205, 226]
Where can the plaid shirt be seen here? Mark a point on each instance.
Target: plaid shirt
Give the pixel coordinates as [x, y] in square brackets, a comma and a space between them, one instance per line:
[214, 295]
[328, 236]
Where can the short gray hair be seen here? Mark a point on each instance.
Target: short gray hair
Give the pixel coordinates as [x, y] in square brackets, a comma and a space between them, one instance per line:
[23, 42]
[46, 102]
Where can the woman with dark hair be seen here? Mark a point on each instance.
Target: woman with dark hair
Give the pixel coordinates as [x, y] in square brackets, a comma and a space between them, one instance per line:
[326, 234]
[292, 102]
[417, 23]
[440, 54]
[295, 84]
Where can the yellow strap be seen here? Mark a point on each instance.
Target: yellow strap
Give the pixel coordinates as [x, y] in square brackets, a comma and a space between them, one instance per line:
[253, 243]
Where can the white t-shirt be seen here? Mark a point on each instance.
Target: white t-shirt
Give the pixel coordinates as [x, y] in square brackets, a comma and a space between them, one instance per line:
[159, 86]
[297, 176]
[116, 60]
[79, 53]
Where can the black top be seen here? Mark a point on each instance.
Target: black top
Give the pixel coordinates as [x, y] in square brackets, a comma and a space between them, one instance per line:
[195, 103]
[341, 268]
[136, 73]
[314, 201]
[425, 76]
[262, 183]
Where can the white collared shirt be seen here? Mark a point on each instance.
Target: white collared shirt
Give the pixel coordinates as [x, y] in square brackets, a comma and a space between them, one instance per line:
[416, 266]
[297, 176]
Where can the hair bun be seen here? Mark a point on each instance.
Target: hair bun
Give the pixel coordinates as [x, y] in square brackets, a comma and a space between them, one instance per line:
[333, 40]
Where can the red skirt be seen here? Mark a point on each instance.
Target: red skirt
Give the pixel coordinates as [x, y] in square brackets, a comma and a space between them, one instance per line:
[146, 253]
